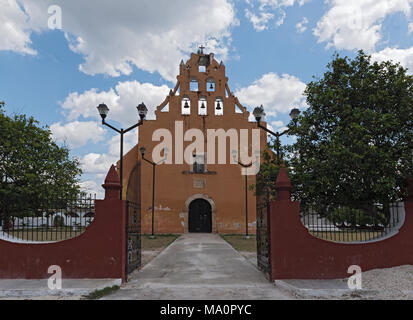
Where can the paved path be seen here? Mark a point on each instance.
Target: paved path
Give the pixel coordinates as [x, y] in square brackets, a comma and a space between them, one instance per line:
[199, 267]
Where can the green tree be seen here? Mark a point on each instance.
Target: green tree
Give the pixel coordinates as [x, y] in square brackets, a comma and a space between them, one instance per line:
[269, 169]
[33, 168]
[355, 141]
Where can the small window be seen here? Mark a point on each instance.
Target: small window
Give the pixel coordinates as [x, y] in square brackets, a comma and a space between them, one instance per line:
[202, 69]
[186, 106]
[210, 85]
[219, 107]
[202, 107]
[198, 165]
[193, 86]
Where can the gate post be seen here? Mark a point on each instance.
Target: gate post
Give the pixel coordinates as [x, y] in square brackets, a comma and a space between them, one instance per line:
[284, 214]
[112, 193]
[112, 184]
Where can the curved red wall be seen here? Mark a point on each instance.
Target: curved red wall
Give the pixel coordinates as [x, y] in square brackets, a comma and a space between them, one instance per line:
[100, 252]
[296, 254]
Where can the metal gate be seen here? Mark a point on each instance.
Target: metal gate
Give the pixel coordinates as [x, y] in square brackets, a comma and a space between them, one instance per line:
[133, 231]
[263, 236]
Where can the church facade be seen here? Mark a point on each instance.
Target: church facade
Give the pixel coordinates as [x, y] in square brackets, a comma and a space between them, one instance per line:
[199, 187]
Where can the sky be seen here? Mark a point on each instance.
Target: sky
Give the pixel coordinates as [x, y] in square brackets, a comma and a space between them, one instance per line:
[59, 59]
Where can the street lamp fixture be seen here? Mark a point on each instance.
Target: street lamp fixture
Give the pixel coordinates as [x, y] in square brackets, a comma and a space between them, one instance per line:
[104, 111]
[259, 114]
[294, 114]
[142, 150]
[142, 111]
[154, 164]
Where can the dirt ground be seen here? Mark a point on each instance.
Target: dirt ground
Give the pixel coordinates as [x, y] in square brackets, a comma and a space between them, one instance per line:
[388, 284]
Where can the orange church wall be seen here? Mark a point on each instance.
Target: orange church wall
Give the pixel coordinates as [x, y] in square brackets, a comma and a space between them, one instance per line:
[175, 186]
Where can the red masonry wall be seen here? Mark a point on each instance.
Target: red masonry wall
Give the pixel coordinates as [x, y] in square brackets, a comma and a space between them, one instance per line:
[296, 254]
[100, 252]
[97, 253]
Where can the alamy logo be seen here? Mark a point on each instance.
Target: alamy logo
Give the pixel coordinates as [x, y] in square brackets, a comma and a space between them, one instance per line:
[216, 146]
[354, 282]
[55, 281]
[55, 19]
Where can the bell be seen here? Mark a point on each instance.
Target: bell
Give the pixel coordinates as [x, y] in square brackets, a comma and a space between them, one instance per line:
[219, 106]
[211, 87]
[203, 105]
[186, 106]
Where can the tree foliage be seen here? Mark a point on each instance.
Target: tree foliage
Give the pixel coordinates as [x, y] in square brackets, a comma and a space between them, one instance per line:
[355, 141]
[33, 168]
[269, 170]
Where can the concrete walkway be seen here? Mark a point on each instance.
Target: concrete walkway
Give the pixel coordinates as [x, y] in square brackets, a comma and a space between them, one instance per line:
[199, 267]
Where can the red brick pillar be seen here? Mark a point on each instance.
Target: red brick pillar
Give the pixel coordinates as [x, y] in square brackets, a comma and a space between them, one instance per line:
[112, 184]
[112, 198]
[283, 186]
[283, 226]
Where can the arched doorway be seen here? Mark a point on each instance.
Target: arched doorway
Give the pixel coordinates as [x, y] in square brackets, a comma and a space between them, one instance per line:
[200, 216]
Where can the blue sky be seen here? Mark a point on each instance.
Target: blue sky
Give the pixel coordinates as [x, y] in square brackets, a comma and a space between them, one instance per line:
[125, 52]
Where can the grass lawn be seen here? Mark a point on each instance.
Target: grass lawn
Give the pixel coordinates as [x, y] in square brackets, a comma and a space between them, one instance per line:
[51, 234]
[240, 243]
[346, 236]
[160, 242]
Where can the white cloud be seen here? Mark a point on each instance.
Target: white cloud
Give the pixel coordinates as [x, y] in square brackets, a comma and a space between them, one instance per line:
[355, 24]
[113, 38]
[404, 56]
[281, 18]
[122, 101]
[130, 140]
[93, 163]
[14, 28]
[91, 187]
[97, 165]
[259, 21]
[302, 25]
[267, 10]
[77, 134]
[275, 93]
[277, 124]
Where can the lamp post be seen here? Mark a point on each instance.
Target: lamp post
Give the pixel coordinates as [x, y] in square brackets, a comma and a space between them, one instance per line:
[103, 111]
[259, 114]
[154, 164]
[234, 155]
